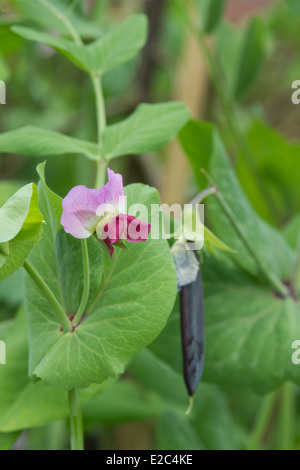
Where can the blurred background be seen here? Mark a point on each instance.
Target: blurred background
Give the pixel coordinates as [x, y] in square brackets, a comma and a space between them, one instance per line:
[257, 38]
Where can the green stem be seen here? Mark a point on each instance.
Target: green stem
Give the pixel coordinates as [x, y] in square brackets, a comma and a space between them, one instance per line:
[101, 125]
[286, 418]
[100, 106]
[100, 173]
[203, 194]
[277, 284]
[86, 283]
[48, 294]
[76, 429]
[63, 19]
[262, 421]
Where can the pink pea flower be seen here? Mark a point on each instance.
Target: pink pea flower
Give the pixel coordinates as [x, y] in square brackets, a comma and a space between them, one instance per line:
[95, 212]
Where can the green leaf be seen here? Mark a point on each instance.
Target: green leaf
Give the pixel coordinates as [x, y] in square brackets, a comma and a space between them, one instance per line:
[150, 127]
[57, 273]
[249, 346]
[294, 7]
[74, 52]
[211, 13]
[7, 189]
[104, 54]
[241, 55]
[265, 241]
[121, 402]
[21, 225]
[14, 212]
[37, 142]
[125, 313]
[249, 332]
[211, 242]
[35, 11]
[119, 46]
[24, 404]
[175, 432]
[159, 376]
[291, 231]
[12, 290]
[279, 174]
[8, 439]
[229, 44]
[197, 149]
[251, 59]
[210, 411]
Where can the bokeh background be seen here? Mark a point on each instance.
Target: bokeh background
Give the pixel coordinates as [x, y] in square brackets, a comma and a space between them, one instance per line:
[44, 89]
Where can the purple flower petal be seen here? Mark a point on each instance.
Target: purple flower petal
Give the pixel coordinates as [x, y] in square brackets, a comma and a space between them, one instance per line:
[114, 188]
[82, 207]
[124, 227]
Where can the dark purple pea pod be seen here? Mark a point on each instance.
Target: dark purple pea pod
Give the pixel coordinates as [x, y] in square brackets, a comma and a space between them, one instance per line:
[192, 332]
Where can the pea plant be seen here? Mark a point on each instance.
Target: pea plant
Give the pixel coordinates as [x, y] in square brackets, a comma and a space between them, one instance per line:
[103, 295]
[89, 310]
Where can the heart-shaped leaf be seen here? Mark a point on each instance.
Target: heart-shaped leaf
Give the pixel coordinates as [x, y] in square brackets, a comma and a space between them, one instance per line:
[131, 298]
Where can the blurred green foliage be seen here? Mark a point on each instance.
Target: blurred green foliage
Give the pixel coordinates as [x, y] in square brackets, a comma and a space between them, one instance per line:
[259, 63]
